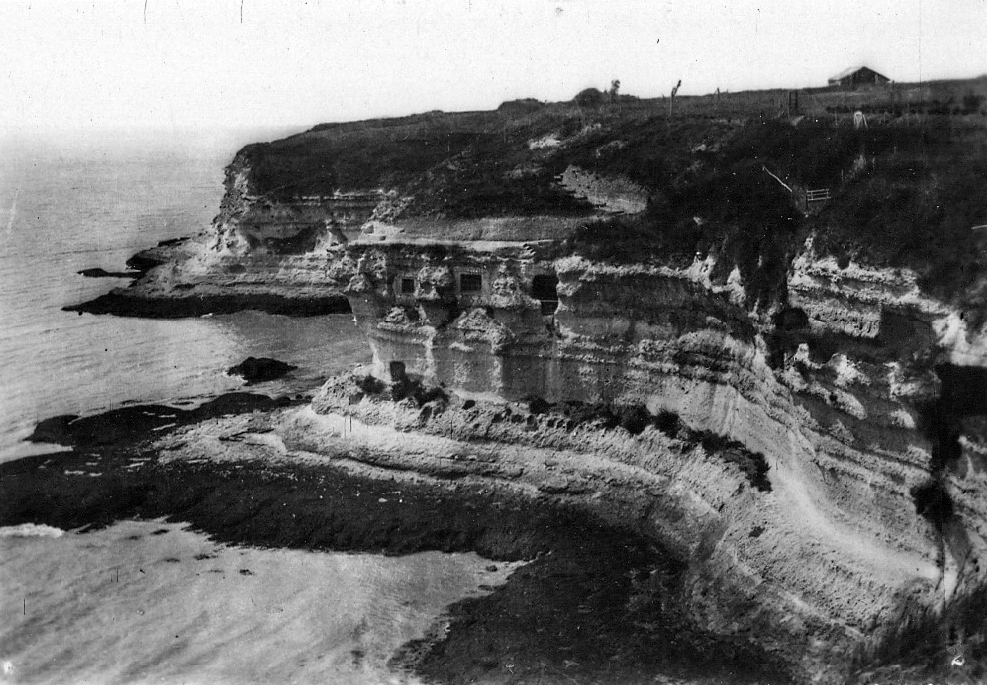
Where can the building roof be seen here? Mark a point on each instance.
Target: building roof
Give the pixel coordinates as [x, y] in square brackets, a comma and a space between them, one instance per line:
[846, 72]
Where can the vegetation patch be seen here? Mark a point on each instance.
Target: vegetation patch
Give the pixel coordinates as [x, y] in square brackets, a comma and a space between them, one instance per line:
[899, 338]
[635, 418]
[932, 501]
[923, 190]
[921, 645]
[726, 178]
[402, 387]
[753, 464]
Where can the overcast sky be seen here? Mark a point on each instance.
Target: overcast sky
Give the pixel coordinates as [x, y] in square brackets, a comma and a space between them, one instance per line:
[258, 62]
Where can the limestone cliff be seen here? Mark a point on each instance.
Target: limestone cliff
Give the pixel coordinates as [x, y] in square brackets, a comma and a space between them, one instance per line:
[618, 183]
[262, 252]
[873, 514]
[799, 382]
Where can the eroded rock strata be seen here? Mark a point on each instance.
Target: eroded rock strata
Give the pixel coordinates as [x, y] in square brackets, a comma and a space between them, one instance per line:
[829, 559]
[593, 603]
[263, 254]
[647, 319]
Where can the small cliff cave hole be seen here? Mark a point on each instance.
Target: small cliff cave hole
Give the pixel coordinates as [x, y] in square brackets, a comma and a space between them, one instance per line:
[964, 389]
[543, 289]
[407, 286]
[300, 243]
[470, 283]
[792, 319]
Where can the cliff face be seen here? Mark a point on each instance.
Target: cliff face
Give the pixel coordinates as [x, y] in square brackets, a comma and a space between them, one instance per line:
[801, 386]
[839, 393]
[260, 253]
[262, 225]
[621, 184]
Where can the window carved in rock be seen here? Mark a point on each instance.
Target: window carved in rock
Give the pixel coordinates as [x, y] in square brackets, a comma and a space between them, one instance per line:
[470, 283]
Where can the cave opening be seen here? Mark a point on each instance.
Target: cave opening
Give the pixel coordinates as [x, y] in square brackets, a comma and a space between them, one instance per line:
[470, 283]
[543, 289]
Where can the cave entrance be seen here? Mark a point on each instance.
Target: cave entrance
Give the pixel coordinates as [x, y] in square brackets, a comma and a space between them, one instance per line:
[543, 289]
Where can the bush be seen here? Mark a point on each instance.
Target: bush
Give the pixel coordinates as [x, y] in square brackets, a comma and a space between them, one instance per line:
[668, 422]
[753, 464]
[582, 412]
[538, 405]
[933, 503]
[520, 107]
[590, 97]
[972, 102]
[633, 418]
[370, 385]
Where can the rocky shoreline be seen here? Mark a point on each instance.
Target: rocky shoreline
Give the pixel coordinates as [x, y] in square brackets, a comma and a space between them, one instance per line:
[596, 603]
[781, 405]
[162, 290]
[600, 600]
[122, 303]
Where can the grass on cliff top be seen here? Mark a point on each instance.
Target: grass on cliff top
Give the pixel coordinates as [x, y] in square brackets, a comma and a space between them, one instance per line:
[718, 201]
[706, 175]
[633, 137]
[916, 205]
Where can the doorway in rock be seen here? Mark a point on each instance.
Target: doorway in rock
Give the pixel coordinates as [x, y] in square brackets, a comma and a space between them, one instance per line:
[543, 290]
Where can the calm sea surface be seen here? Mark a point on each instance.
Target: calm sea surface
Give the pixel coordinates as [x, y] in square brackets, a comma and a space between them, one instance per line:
[146, 602]
[92, 202]
[122, 605]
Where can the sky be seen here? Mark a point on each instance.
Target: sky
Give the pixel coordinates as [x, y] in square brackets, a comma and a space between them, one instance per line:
[241, 63]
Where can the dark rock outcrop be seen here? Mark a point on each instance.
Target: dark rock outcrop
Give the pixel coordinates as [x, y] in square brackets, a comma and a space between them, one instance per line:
[103, 273]
[260, 369]
[120, 303]
[139, 423]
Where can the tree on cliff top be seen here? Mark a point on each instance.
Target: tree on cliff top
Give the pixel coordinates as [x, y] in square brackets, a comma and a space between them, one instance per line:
[589, 97]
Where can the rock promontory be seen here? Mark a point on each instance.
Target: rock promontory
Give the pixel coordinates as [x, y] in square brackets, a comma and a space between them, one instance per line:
[756, 338]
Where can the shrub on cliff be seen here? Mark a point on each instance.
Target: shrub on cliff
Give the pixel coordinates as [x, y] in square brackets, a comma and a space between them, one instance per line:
[520, 107]
[633, 418]
[754, 465]
[537, 405]
[933, 502]
[370, 385]
[589, 97]
[668, 422]
[580, 413]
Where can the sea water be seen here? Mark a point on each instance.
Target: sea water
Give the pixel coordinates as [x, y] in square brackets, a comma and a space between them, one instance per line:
[72, 202]
[123, 605]
[146, 602]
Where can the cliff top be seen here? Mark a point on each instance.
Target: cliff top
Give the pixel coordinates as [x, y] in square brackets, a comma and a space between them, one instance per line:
[628, 180]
